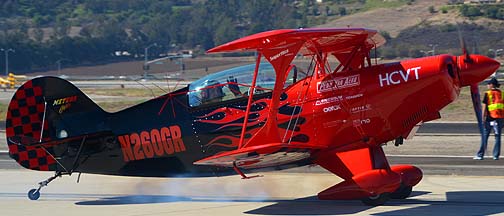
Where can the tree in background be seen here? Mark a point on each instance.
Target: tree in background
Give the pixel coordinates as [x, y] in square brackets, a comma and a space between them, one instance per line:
[470, 11]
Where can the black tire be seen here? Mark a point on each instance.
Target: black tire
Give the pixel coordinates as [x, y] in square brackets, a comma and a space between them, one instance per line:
[33, 194]
[376, 200]
[402, 192]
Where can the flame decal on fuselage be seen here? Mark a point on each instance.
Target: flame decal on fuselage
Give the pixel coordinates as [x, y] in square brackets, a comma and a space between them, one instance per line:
[231, 118]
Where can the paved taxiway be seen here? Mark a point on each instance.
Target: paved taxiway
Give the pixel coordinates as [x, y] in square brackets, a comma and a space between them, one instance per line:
[453, 184]
[277, 193]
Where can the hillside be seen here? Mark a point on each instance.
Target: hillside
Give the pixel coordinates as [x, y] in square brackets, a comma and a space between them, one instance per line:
[391, 20]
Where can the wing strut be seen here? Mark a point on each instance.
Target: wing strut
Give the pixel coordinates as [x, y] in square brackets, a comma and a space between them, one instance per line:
[251, 96]
[350, 58]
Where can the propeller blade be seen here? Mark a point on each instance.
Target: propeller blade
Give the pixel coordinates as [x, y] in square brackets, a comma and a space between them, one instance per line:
[475, 96]
[463, 46]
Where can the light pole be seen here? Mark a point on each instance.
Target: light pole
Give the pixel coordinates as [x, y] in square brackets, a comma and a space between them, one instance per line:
[181, 63]
[146, 58]
[59, 64]
[7, 59]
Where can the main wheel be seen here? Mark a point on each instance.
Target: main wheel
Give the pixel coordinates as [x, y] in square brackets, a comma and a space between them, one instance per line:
[33, 194]
[376, 200]
[402, 192]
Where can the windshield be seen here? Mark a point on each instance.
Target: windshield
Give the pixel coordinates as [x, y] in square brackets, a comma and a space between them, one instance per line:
[232, 83]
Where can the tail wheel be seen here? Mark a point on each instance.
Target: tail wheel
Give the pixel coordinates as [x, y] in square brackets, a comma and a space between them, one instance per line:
[402, 192]
[33, 194]
[376, 200]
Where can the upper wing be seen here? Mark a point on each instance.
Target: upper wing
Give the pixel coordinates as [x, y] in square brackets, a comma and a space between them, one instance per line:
[315, 40]
[349, 45]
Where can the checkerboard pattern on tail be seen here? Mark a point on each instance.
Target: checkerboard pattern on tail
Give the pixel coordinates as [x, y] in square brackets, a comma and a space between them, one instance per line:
[24, 118]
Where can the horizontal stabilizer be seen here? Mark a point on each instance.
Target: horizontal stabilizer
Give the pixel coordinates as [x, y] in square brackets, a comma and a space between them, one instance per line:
[261, 156]
[23, 140]
[32, 142]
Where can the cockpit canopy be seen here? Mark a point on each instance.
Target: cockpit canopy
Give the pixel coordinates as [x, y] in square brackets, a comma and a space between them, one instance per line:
[232, 83]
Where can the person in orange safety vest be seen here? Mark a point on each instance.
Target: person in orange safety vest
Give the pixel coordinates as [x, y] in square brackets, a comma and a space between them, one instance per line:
[493, 114]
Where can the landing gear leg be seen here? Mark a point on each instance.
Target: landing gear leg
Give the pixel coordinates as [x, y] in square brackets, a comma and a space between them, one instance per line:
[34, 194]
[237, 170]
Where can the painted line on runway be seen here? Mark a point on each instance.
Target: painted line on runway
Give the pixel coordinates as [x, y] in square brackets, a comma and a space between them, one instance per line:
[452, 122]
[460, 166]
[433, 156]
[447, 134]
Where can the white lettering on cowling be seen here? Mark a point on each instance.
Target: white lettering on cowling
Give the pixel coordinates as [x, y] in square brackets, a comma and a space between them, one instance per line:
[354, 96]
[359, 122]
[362, 108]
[397, 77]
[332, 108]
[338, 83]
[328, 100]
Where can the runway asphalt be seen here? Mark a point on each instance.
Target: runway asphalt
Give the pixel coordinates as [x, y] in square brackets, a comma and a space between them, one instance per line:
[453, 184]
[273, 194]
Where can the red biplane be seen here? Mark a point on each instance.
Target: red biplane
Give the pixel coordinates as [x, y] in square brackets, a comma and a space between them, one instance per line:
[336, 113]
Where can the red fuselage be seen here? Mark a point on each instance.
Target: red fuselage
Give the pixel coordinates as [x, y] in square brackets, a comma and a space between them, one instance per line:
[379, 103]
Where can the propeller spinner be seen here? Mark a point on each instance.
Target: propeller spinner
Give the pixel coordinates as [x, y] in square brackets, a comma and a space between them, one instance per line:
[475, 68]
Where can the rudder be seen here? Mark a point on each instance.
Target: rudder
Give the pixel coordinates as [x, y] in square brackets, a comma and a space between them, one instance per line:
[58, 107]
